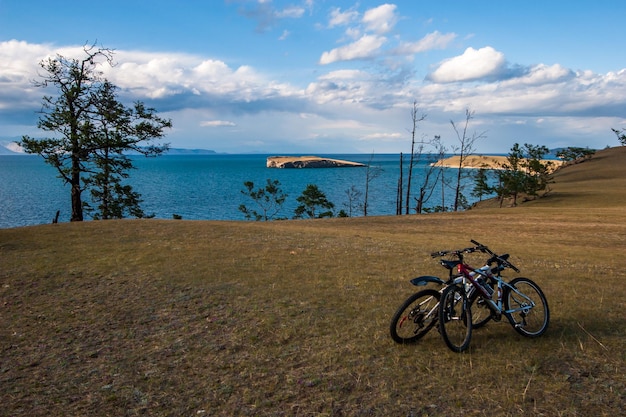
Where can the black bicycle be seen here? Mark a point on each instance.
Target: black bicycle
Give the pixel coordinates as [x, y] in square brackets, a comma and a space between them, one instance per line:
[420, 312]
[521, 300]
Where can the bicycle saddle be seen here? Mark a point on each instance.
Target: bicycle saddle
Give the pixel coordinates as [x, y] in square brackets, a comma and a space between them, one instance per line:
[449, 264]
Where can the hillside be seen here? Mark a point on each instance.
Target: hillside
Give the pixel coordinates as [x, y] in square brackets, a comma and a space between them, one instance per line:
[596, 182]
[291, 318]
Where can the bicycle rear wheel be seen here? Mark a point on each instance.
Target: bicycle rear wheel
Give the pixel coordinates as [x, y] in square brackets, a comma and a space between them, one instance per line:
[526, 307]
[415, 317]
[455, 318]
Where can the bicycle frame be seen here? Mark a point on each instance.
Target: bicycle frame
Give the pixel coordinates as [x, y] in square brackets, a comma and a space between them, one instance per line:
[471, 274]
[476, 287]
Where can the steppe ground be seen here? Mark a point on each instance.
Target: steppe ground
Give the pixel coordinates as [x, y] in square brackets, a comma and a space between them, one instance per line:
[291, 318]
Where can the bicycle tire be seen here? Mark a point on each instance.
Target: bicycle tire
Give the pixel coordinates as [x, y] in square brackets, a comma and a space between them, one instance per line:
[481, 313]
[529, 321]
[415, 317]
[455, 318]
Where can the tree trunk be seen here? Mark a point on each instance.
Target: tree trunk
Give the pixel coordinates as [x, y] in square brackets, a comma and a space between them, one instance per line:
[77, 203]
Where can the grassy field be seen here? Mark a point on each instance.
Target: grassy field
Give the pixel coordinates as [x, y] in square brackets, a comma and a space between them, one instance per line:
[291, 318]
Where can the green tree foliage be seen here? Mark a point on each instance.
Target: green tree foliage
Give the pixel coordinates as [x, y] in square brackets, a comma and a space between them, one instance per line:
[119, 129]
[573, 153]
[313, 204]
[512, 177]
[482, 187]
[524, 172]
[268, 199]
[85, 138]
[621, 136]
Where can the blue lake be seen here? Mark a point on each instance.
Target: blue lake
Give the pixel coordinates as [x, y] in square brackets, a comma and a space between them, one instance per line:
[206, 187]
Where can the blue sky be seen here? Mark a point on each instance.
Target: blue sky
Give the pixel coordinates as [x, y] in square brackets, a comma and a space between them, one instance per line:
[321, 76]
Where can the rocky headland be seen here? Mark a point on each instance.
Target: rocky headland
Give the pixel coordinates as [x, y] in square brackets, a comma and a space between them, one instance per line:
[484, 161]
[308, 162]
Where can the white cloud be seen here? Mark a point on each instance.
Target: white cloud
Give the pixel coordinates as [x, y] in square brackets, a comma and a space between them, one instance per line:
[217, 123]
[434, 40]
[366, 47]
[292, 12]
[339, 18]
[380, 19]
[353, 103]
[385, 137]
[163, 75]
[544, 74]
[472, 65]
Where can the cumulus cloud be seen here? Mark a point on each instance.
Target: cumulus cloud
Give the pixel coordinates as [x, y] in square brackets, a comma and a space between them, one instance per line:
[472, 65]
[544, 74]
[366, 47]
[18, 68]
[431, 41]
[380, 19]
[368, 40]
[374, 101]
[166, 76]
[339, 18]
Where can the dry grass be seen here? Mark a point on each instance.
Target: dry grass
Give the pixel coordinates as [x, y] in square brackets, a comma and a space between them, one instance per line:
[190, 318]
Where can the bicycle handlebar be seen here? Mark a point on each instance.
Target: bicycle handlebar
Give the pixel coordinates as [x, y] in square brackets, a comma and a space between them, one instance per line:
[453, 252]
[494, 257]
[479, 247]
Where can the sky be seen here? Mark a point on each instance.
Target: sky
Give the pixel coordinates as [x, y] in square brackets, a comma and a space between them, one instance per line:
[327, 76]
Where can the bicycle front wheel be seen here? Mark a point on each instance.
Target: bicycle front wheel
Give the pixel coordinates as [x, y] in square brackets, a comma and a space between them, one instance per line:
[455, 318]
[526, 307]
[415, 317]
[481, 313]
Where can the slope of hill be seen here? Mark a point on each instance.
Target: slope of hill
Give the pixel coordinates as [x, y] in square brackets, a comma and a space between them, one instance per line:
[596, 182]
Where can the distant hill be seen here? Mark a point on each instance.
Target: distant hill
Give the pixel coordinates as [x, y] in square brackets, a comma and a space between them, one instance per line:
[181, 151]
[8, 147]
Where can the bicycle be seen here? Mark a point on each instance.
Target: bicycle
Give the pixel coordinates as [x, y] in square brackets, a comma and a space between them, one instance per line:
[418, 314]
[521, 300]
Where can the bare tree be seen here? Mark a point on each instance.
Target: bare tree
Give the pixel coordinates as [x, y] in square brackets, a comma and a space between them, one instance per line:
[465, 148]
[399, 191]
[431, 174]
[371, 173]
[354, 195]
[415, 118]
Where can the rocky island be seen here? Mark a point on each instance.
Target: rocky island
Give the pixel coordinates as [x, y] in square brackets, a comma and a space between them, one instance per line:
[308, 162]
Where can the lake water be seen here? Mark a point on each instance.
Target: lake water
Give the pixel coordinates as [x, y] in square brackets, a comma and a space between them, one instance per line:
[203, 187]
